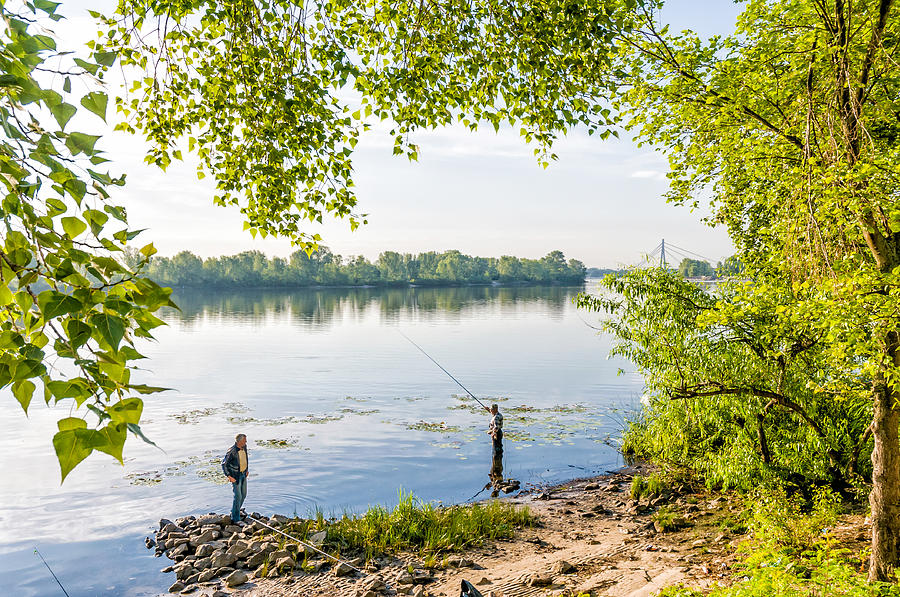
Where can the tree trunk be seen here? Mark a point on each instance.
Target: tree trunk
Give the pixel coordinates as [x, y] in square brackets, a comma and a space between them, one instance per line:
[885, 496]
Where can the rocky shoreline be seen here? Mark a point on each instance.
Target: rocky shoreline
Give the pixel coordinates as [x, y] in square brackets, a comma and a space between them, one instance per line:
[592, 539]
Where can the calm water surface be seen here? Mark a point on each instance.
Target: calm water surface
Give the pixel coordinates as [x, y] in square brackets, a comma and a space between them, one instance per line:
[340, 412]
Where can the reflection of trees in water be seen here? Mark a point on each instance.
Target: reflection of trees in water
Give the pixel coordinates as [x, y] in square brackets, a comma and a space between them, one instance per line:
[315, 308]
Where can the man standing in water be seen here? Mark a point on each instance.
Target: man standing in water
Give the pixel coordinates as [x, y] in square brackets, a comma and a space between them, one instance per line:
[235, 467]
[495, 429]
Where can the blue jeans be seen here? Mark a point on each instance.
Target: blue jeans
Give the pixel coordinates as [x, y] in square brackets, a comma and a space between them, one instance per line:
[240, 493]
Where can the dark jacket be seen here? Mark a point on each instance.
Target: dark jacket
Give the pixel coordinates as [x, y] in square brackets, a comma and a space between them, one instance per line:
[231, 464]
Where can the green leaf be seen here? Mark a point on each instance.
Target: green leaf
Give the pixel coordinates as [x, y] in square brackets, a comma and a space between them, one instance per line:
[136, 429]
[96, 102]
[105, 58]
[88, 66]
[73, 226]
[23, 391]
[81, 143]
[71, 423]
[78, 332]
[63, 113]
[113, 440]
[53, 304]
[127, 411]
[72, 446]
[110, 327]
[145, 389]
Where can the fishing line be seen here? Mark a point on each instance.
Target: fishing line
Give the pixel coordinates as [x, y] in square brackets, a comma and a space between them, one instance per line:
[51, 571]
[444, 370]
[303, 543]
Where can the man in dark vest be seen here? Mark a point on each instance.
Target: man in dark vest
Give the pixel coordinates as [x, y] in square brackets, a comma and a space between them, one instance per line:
[235, 465]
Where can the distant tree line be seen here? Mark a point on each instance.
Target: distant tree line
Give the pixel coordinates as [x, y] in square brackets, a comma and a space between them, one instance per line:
[324, 268]
[695, 268]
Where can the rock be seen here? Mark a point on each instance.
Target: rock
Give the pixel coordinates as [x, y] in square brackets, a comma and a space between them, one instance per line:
[184, 521]
[484, 581]
[171, 527]
[367, 594]
[206, 550]
[176, 587]
[207, 575]
[283, 553]
[192, 579]
[456, 562]
[256, 559]
[284, 563]
[405, 578]
[237, 547]
[563, 567]
[419, 591]
[540, 579]
[278, 519]
[184, 571]
[224, 560]
[181, 550]
[698, 543]
[149, 543]
[167, 569]
[213, 519]
[204, 537]
[220, 594]
[163, 522]
[342, 569]
[591, 487]
[261, 572]
[421, 577]
[236, 578]
[318, 539]
[371, 583]
[232, 529]
[203, 563]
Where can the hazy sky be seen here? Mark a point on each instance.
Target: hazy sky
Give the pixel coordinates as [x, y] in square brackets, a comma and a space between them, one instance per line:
[482, 193]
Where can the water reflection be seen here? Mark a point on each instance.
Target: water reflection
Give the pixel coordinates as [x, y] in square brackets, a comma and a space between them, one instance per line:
[322, 308]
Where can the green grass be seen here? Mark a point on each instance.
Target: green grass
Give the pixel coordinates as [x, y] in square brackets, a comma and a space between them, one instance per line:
[649, 486]
[668, 519]
[414, 525]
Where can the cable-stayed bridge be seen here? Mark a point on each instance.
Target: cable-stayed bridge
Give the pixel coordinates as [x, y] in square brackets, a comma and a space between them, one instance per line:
[666, 255]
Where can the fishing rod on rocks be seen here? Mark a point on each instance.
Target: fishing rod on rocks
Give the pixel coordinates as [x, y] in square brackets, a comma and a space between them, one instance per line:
[444, 370]
[305, 544]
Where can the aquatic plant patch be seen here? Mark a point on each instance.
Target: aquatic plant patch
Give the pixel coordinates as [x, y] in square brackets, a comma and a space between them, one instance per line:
[439, 427]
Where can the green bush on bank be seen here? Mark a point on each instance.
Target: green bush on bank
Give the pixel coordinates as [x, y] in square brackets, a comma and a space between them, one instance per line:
[414, 525]
[792, 553]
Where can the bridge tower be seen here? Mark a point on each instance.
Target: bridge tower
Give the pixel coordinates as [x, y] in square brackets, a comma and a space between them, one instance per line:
[662, 254]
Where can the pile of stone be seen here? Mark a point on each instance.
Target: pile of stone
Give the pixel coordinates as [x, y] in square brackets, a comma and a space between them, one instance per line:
[209, 550]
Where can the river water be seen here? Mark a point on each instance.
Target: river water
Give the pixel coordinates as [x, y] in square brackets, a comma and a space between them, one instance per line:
[340, 410]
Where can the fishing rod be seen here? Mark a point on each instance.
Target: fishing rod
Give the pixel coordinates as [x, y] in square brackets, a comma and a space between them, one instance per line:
[51, 571]
[444, 370]
[304, 544]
